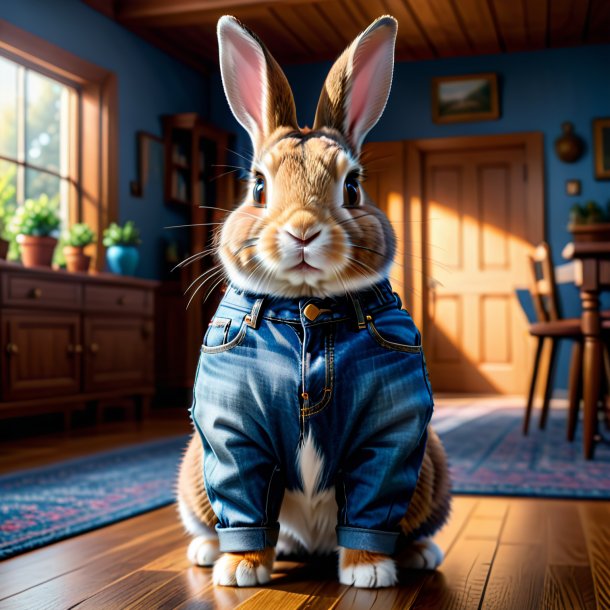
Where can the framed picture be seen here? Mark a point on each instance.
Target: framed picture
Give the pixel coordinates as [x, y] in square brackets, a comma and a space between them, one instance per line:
[601, 146]
[473, 97]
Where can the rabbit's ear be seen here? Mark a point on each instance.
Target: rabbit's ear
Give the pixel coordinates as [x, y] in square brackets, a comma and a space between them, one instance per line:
[256, 88]
[357, 87]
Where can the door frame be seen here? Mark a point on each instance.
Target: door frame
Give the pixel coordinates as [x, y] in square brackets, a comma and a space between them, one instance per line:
[414, 231]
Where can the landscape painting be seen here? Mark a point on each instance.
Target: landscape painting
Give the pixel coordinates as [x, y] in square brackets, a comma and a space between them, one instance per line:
[465, 98]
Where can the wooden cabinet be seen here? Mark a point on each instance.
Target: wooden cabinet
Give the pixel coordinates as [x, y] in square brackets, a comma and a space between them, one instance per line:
[43, 355]
[68, 339]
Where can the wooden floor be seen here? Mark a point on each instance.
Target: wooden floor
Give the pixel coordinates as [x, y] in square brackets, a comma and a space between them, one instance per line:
[510, 554]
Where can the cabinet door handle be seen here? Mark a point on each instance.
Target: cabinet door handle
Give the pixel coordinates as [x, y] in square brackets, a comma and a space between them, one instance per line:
[75, 349]
[36, 293]
[12, 348]
[94, 348]
[121, 300]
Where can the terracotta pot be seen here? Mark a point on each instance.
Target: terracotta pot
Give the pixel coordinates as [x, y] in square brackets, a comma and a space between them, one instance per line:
[76, 259]
[3, 248]
[590, 232]
[36, 251]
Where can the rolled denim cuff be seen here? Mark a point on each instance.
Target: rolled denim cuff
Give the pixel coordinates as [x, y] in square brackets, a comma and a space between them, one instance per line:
[362, 539]
[237, 539]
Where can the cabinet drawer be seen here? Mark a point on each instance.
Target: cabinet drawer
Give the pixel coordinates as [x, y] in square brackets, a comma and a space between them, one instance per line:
[113, 298]
[25, 290]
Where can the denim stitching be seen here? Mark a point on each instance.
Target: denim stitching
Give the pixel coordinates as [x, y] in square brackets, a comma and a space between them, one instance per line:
[266, 521]
[329, 381]
[399, 347]
[237, 340]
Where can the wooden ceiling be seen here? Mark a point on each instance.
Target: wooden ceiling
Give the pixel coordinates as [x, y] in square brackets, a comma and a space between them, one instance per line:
[298, 31]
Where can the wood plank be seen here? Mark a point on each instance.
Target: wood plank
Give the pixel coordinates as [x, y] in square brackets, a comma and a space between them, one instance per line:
[525, 523]
[568, 20]
[566, 540]
[441, 26]
[598, 24]
[510, 17]
[461, 509]
[476, 18]
[567, 587]
[516, 579]
[595, 519]
[412, 42]
[460, 580]
[537, 24]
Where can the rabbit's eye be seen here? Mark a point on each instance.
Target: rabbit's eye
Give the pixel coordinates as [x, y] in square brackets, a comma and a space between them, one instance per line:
[258, 193]
[351, 191]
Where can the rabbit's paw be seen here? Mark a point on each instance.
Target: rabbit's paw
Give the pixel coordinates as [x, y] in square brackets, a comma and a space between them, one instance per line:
[244, 569]
[366, 569]
[203, 551]
[422, 554]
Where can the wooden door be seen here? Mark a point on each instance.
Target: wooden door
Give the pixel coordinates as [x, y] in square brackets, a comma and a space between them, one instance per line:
[117, 352]
[475, 212]
[466, 211]
[43, 355]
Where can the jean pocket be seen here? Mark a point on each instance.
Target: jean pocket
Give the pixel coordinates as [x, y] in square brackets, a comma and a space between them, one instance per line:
[395, 337]
[224, 334]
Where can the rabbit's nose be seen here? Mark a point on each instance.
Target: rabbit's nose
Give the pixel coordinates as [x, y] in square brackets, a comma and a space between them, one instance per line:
[303, 238]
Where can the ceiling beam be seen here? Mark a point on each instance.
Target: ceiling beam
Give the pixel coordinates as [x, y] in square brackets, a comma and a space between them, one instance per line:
[188, 12]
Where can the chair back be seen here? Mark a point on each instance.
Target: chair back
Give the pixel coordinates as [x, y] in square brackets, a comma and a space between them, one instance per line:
[543, 287]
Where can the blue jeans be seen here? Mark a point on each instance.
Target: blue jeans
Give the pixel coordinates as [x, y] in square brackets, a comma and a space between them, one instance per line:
[348, 371]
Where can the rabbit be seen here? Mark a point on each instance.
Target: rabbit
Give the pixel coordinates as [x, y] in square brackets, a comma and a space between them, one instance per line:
[312, 401]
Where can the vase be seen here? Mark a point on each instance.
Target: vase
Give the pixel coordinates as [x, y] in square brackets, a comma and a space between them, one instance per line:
[122, 260]
[36, 251]
[76, 259]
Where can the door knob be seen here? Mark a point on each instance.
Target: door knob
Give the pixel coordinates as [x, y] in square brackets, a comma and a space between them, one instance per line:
[94, 348]
[74, 349]
[36, 293]
[12, 348]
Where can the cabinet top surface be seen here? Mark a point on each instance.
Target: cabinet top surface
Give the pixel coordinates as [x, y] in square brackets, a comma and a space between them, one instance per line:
[92, 277]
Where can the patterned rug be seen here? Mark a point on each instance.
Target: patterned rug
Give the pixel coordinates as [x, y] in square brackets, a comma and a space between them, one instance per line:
[489, 455]
[47, 504]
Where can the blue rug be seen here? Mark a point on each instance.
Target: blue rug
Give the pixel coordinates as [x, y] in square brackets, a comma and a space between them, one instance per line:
[488, 455]
[47, 504]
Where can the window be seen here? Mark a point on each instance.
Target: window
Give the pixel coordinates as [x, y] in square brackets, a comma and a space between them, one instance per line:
[62, 139]
[37, 118]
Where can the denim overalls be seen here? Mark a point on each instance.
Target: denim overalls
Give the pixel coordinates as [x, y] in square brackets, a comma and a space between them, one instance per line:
[348, 371]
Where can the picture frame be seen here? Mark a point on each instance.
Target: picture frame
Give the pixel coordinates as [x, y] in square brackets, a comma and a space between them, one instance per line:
[601, 148]
[150, 160]
[472, 97]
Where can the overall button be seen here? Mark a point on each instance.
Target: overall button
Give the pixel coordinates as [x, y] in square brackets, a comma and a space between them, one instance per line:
[311, 311]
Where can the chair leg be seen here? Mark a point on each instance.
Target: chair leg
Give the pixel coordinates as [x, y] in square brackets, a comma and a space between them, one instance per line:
[548, 390]
[530, 398]
[574, 389]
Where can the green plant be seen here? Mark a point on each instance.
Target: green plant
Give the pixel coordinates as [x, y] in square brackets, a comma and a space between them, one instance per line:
[127, 235]
[78, 235]
[36, 217]
[7, 201]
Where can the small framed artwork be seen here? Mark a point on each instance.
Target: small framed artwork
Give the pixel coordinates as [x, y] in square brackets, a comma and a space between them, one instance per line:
[601, 146]
[473, 97]
[573, 187]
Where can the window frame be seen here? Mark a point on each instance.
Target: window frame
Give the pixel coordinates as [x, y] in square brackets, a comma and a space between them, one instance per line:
[93, 164]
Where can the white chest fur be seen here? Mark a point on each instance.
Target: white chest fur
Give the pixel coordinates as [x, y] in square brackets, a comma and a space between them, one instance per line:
[308, 518]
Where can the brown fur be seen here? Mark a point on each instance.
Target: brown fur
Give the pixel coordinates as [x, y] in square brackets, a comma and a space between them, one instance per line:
[353, 557]
[252, 558]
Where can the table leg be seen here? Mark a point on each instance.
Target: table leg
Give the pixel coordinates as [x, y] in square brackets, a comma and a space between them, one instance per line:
[592, 363]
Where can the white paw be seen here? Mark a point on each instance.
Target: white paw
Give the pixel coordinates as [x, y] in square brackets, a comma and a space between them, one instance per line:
[240, 573]
[203, 551]
[421, 555]
[369, 575]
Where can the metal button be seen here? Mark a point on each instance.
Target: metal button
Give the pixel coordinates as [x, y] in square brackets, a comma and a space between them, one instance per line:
[311, 312]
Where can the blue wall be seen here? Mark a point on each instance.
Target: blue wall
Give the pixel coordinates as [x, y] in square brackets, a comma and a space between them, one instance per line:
[150, 83]
[539, 90]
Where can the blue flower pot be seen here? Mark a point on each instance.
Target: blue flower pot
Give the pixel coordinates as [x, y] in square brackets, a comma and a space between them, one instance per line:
[123, 259]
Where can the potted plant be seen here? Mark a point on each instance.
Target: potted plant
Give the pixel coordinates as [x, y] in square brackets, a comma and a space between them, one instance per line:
[75, 240]
[35, 224]
[122, 254]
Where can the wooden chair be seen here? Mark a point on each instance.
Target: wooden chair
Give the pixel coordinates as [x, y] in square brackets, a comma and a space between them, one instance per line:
[550, 326]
